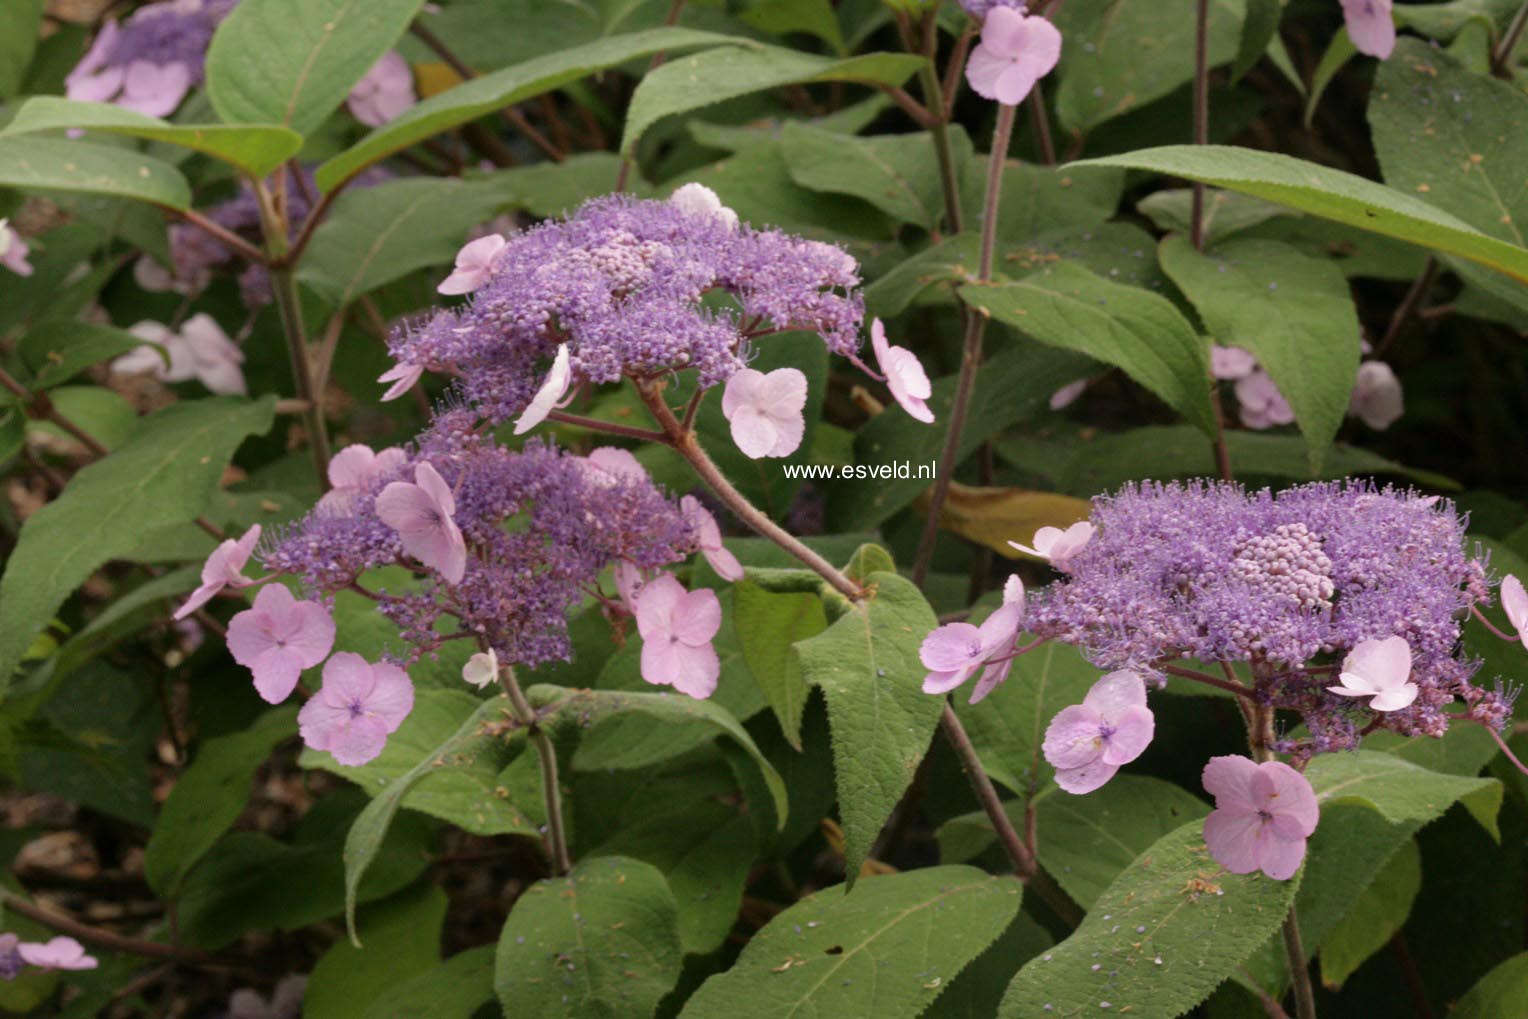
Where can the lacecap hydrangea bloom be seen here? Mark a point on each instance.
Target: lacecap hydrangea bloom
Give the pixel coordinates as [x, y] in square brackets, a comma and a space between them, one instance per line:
[150, 61]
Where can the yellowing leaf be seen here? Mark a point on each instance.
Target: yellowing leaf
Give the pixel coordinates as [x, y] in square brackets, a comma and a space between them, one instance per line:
[995, 516]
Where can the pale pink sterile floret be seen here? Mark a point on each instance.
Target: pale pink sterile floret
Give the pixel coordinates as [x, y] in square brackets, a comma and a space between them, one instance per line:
[1057, 546]
[423, 515]
[677, 628]
[352, 473]
[1370, 26]
[356, 709]
[1377, 396]
[278, 638]
[698, 200]
[13, 250]
[551, 393]
[1069, 394]
[1231, 363]
[384, 92]
[403, 378]
[904, 373]
[223, 568]
[1263, 815]
[609, 465]
[955, 652]
[722, 561]
[154, 90]
[766, 410]
[1381, 670]
[1514, 602]
[1087, 743]
[56, 953]
[474, 265]
[1262, 403]
[200, 350]
[1015, 52]
[481, 669]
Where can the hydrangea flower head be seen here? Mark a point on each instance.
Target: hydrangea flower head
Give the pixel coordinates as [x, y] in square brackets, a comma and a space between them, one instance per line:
[1263, 815]
[1015, 52]
[1380, 670]
[766, 410]
[357, 708]
[1087, 743]
[384, 92]
[56, 953]
[904, 373]
[677, 628]
[278, 638]
[150, 61]
[1370, 26]
[223, 568]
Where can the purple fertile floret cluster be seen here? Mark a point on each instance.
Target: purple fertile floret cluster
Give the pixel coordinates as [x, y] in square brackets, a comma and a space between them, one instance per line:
[633, 288]
[1286, 583]
[170, 33]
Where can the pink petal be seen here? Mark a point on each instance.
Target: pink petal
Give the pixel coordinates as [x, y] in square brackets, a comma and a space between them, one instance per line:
[201, 596]
[984, 68]
[1232, 837]
[392, 695]
[1514, 602]
[754, 432]
[878, 343]
[1229, 779]
[618, 462]
[789, 431]
[1230, 363]
[1395, 698]
[697, 670]
[1370, 26]
[403, 378]
[697, 618]
[351, 467]
[993, 676]
[408, 509]
[357, 741]
[1068, 394]
[1116, 693]
[1083, 780]
[1292, 801]
[549, 395]
[1013, 592]
[659, 660]
[1000, 628]
[1073, 739]
[318, 720]
[250, 635]
[429, 479]
[154, 89]
[313, 636]
[442, 550]
[1377, 396]
[1004, 31]
[94, 88]
[942, 682]
[1277, 857]
[1132, 734]
[276, 671]
[724, 563]
[951, 646]
[1379, 664]
[908, 383]
[656, 605]
[741, 390]
[784, 391]
[474, 265]
[1014, 84]
[347, 679]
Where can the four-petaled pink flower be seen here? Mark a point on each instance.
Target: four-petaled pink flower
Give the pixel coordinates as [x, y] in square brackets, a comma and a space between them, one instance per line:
[1380, 669]
[904, 373]
[13, 250]
[677, 627]
[1514, 602]
[481, 669]
[1058, 546]
[56, 953]
[223, 568]
[1370, 26]
[1016, 51]
[1263, 815]
[352, 473]
[474, 265]
[278, 638]
[403, 378]
[385, 91]
[1087, 743]
[766, 410]
[201, 350]
[356, 709]
[722, 561]
[422, 514]
[954, 651]
[1377, 396]
[550, 394]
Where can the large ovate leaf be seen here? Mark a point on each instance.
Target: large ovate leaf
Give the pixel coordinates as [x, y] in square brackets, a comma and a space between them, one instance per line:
[404, 941]
[20, 28]
[1290, 309]
[867, 665]
[1331, 194]
[165, 473]
[455, 989]
[768, 624]
[56, 351]
[887, 949]
[1399, 790]
[1375, 918]
[1169, 929]
[697, 81]
[898, 174]
[1133, 329]
[292, 62]
[1259, 30]
[472, 99]
[1500, 994]
[57, 165]
[603, 941]
[257, 149]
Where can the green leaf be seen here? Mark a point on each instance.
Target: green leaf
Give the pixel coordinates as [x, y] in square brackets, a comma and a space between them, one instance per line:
[550, 189]
[1454, 136]
[383, 233]
[1226, 213]
[867, 665]
[590, 707]
[701, 80]
[1500, 994]
[768, 624]
[164, 474]
[1331, 194]
[1444, 21]
[209, 796]
[473, 738]
[1137, 51]
[456, 989]
[976, 992]
[1399, 790]
[490, 92]
[603, 941]
[1040, 199]
[403, 941]
[1136, 330]
[898, 174]
[1169, 929]
[780, 17]
[1380, 912]
[887, 950]
[292, 62]
[1258, 31]
[257, 149]
[56, 351]
[1292, 310]
[468, 790]
[53, 163]
[1338, 52]
[20, 28]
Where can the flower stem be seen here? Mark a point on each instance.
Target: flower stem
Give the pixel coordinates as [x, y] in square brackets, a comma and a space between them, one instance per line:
[939, 130]
[1502, 58]
[607, 427]
[1200, 677]
[1511, 637]
[971, 355]
[684, 441]
[1201, 110]
[546, 757]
